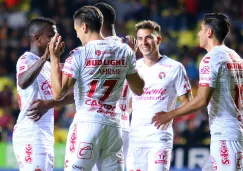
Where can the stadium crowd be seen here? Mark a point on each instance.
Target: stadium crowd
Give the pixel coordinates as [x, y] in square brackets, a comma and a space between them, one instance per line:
[177, 18]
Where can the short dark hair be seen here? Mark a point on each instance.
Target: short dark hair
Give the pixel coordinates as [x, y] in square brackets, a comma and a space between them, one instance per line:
[148, 24]
[91, 16]
[36, 25]
[219, 23]
[108, 12]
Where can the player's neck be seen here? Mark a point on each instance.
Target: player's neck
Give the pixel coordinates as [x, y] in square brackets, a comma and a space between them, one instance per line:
[36, 51]
[212, 44]
[108, 31]
[151, 60]
[94, 36]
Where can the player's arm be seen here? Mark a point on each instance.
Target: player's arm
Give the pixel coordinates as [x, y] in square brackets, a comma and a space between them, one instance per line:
[39, 107]
[202, 99]
[136, 83]
[60, 83]
[26, 78]
[185, 98]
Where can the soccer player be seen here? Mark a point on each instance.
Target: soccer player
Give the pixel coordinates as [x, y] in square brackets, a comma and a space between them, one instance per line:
[33, 137]
[220, 89]
[108, 31]
[97, 71]
[165, 80]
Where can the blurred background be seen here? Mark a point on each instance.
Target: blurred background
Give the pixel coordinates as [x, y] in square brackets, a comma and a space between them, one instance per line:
[179, 21]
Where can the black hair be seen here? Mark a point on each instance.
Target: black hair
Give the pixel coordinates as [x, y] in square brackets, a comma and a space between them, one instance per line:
[91, 16]
[219, 23]
[36, 25]
[108, 12]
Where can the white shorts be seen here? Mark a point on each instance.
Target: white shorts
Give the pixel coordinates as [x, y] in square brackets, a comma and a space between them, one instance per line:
[155, 158]
[225, 156]
[33, 157]
[93, 143]
[125, 140]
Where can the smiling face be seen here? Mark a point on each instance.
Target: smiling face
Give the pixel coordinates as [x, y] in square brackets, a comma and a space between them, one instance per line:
[148, 42]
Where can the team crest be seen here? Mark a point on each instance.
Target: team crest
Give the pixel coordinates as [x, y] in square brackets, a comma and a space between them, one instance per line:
[162, 75]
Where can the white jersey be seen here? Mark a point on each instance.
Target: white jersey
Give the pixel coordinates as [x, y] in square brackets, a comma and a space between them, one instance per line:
[222, 69]
[100, 69]
[164, 82]
[26, 130]
[124, 100]
[123, 107]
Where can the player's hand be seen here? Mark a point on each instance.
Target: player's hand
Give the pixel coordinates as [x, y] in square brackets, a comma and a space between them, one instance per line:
[161, 120]
[46, 55]
[37, 109]
[56, 46]
[132, 42]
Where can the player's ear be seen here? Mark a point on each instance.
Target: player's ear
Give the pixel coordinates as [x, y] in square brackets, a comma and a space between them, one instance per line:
[209, 32]
[85, 27]
[159, 39]
[37, 38]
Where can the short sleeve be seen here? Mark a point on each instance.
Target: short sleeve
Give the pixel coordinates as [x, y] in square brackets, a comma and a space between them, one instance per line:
[23, 64]
[73, 64]
[208, 71]
[182, 84]
[131, 63]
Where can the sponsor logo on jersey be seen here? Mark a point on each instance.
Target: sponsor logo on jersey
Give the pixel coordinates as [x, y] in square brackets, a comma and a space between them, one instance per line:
[109, 71]
[80, 168]
[161, 157]
[205, 70]
[224, 153]
[73, 139]
[206, 60]
[46, 87]
[105, 62]
[234, 65]
[151, 91]
[28, 153]
[98, 52]
[85, 150]
[205, 79]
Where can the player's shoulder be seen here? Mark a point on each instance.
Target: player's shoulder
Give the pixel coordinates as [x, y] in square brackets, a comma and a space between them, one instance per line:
[169, 62]
[219, 54]
[28, 56]
[76, 51]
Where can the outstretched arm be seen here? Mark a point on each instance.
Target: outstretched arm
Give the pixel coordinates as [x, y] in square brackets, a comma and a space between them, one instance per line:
[202, 99]
[39, 107]
[27, 78]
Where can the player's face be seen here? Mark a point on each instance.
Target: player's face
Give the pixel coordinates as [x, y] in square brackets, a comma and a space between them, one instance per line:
[202, 35]
[148, 42]
[79, 31]
[47, 34]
